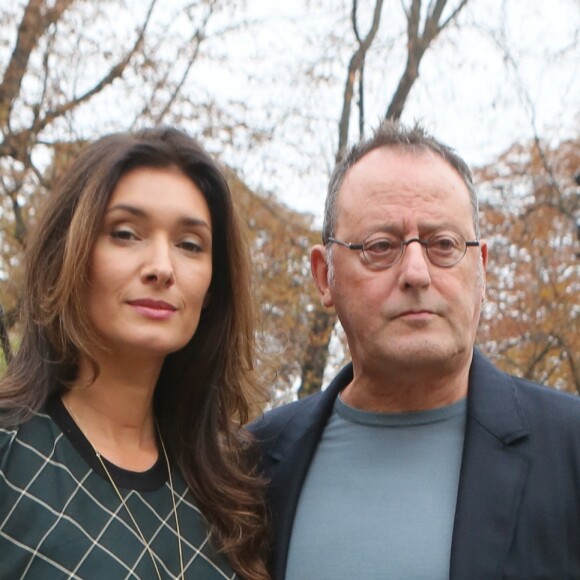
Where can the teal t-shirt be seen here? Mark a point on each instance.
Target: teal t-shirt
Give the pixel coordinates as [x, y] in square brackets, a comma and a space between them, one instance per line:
[379, 498]
[61, 518]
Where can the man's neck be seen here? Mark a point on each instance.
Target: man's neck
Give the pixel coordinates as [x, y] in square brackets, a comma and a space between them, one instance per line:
[400, 390]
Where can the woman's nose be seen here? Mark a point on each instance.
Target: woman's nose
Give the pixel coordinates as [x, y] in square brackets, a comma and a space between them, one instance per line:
[158, 266]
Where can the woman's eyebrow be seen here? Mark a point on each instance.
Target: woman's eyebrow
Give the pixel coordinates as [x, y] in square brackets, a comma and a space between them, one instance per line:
[139, 212]
[194, 222]
[128, 208]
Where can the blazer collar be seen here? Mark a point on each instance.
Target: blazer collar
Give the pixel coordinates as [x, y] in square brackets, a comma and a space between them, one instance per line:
[492, 401]
[296, 443]
[494, 471]
[310, 418]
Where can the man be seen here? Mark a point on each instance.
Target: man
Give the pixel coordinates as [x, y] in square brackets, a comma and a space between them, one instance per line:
[420, 460]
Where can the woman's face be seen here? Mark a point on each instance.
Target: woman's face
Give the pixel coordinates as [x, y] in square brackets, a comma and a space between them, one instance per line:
[151, 266]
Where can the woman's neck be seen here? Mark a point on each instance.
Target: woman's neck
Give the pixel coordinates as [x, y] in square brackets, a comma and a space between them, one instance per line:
[115, 412]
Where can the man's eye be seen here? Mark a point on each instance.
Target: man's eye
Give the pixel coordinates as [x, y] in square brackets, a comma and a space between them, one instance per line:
[381, 246]
[444, 244]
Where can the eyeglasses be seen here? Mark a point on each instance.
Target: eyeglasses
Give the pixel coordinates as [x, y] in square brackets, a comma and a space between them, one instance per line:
[382, 250]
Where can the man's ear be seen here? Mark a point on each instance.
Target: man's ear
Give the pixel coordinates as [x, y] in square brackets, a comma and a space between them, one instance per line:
[319, 268]
[483, 257]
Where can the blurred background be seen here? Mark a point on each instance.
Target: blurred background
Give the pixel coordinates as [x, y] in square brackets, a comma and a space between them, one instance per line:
[277, 91]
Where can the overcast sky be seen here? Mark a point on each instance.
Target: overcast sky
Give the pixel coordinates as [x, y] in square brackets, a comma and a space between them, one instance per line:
[279, 68]
[472, 93]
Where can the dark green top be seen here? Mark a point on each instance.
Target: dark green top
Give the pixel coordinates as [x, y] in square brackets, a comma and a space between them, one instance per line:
[60, 517]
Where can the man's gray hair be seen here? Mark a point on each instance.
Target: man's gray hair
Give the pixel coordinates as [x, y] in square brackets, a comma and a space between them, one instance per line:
[394, 135]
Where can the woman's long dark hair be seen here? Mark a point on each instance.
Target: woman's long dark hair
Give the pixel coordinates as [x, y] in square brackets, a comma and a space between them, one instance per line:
[205, 390]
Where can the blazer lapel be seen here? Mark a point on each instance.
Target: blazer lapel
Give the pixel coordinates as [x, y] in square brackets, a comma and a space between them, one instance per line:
[287, 462]
[494, 471]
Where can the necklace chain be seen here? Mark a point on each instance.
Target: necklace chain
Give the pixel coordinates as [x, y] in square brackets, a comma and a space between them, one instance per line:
[124, 503]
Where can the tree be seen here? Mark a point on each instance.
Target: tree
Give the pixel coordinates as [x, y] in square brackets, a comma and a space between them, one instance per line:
[279, 238]
[43, 131]
[424, 23]
[531, 321]
[68, 59]
[118, 64]
[530, 324]
[24, 120]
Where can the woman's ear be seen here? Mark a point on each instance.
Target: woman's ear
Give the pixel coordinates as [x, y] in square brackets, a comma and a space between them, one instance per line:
[320, 273]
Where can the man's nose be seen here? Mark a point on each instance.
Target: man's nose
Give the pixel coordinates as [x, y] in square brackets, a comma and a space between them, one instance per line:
[414, 265]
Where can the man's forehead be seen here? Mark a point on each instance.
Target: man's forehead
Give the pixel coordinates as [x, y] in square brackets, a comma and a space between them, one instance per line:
[391, 184]
[391, 164]
[392, 155]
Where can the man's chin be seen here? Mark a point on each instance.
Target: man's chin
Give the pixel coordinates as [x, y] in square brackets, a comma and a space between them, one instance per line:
[426, 353]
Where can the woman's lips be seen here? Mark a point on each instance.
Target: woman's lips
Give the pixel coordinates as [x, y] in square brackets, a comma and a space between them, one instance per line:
[156, 309]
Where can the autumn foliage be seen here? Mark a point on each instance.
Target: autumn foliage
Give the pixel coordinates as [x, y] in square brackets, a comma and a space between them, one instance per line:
[531, 321]
[54, 73]
[280, 240]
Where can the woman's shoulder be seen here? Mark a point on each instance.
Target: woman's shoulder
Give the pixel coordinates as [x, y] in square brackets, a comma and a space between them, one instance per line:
[32, 438]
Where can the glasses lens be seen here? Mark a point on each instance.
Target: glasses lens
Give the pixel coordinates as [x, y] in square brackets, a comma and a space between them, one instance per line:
[382, 251]
[446, 249]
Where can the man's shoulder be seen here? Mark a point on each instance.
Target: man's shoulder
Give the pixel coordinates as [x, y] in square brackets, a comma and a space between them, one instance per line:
[311, 410]
[277, 418]
[542, 401]
[496, 391]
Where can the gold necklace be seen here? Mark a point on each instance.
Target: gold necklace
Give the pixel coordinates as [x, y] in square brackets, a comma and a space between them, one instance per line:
[124, 503]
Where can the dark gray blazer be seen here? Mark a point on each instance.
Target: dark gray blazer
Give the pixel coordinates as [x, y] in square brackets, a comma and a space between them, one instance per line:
[518, 505]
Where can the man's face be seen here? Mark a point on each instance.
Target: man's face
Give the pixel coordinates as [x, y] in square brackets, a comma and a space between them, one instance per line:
[412, 313]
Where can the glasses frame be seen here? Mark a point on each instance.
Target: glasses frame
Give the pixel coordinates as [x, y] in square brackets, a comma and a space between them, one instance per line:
[403, 247]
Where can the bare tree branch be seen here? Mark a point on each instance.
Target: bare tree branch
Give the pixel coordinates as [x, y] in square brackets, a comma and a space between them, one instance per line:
[574, 367]
[36, 20]
[45, 77]
[354, 67]
[322, 324]
[4, 339]
[361, 101]
[354, 21]
[549, 343]
[19, 223]
[417, 45]
[198, 38]
[16, 144]
[361, 74]
[114, 73]
[453, 14]
[556, 197]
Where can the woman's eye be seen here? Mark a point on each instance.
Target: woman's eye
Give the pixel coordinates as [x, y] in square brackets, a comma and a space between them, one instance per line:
[190, 246]
[123, 234]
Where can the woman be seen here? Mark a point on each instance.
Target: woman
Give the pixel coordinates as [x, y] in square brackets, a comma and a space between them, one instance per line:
[120, 453]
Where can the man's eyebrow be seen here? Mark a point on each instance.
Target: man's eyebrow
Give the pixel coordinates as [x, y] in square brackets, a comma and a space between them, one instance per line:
[442, 226]
[138, 212]
[429, 227]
